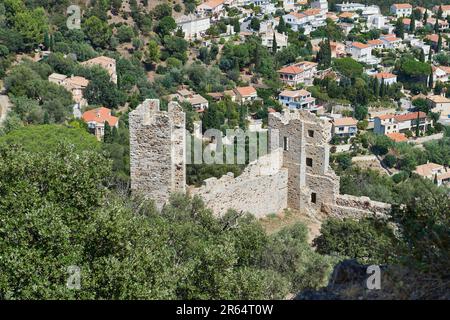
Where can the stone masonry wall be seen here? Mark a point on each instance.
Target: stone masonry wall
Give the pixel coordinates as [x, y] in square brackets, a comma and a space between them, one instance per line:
[261, 189]
[157, 151]
[348, 206]
[304, 139]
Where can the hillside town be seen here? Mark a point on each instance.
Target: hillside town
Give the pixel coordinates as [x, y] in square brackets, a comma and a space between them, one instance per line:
[359, 93]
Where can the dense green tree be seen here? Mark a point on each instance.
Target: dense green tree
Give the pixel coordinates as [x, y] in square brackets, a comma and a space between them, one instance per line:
[97, 31]
[399, 28]
[165, 26]
[367, 240]
[324, 55]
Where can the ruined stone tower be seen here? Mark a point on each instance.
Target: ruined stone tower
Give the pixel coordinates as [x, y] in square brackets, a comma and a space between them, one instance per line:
[304, 139]
[157, 150]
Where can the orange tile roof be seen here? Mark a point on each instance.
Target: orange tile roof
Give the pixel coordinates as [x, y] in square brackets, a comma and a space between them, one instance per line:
[291, 70]
[359, 45]
[246, 91]
[347, 121]
[375, 42]
[402, 6]
[384, 75]
[100, 115]
[294, 93]
[213, 3]
[311, 12]
[427, 168]
[77, 81]
[392, 39]
[433, 37]
[397, 137]
[347, 15]
[410, 116]
[385, 116]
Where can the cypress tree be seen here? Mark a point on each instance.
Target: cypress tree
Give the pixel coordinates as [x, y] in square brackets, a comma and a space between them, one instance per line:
[274, 43]
[421, 56]
[417, 125]
[107, 134]
[425, 17]
[281, 25]
[412, 25]
[399, 28]
[436, 26]
[439, 44]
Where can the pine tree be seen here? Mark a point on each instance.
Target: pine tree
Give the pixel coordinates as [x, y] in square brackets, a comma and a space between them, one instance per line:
[412, 25]
[274, 43]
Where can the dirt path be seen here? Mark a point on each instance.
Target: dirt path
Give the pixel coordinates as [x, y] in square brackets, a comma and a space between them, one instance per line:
[289, 217]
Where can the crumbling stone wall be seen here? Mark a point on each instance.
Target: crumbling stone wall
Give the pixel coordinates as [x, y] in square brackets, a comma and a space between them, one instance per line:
[294, 174]
[348, 206]
[157, 150]
[304, 140]
[261, 189]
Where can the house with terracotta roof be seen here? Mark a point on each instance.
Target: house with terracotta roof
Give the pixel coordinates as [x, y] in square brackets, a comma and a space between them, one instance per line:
[386, 77]
[435, 172]
[198, 102]
[401, 9]
[360, 51]
[445, 10]
[345, 16]
[441, 105]
[96, 119]
[74, 84]
[107, 63]
[389, 123]
[440, 73]
[309, 20]
[297, 99]
[211, 8]
[245, 94]
[376, 44]
[301, 72]
[442, 24]
[433, 39]
[397, 137]
[344, 127]
[391, 41]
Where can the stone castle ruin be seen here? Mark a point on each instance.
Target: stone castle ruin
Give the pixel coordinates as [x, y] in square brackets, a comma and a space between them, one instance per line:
[294, 174]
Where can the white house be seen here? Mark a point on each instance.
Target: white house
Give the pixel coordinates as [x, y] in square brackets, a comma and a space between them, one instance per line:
[193, 26]
[246, 94]
[401, 9]
[297, 99]
[445, 10]
[309, 20]
[386, 78]
[360, 51]
[349, 6]
[280, 38]
[301, 72]
[440, 104]
[344, 127]
[213, 8]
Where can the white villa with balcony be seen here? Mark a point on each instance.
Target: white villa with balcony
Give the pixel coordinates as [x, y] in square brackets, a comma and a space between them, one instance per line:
[297, 99]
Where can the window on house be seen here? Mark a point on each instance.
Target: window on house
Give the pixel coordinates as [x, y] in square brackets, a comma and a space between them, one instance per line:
[311, 133]
[309, 162]
[313, 197]
[286, 143]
